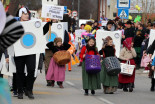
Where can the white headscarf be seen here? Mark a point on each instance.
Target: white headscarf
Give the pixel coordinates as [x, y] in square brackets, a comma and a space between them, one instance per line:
[22, 10]
[2, 17]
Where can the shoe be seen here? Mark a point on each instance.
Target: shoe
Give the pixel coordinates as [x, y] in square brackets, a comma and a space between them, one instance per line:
[61, 86]
[92, 92]
[152, 89]
[20, 96]
[26, 92]
[86, 93]
[49, 84]
[80, 64]
[52, 83]
[131, 90]
[125, 89]
[15, 94]
[30, 95]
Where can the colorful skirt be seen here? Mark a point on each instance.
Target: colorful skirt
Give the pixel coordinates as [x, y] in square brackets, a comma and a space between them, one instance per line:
[55, 72]
[90, 81]
[110, 83]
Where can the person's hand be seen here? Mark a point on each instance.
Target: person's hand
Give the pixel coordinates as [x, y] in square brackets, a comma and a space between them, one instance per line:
[153, 68]
[123, 36]
[7, 60]
[84, 56]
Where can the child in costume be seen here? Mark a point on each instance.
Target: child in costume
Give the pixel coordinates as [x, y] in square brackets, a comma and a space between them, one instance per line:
[110, 83]
[55, 71]
[90, 81]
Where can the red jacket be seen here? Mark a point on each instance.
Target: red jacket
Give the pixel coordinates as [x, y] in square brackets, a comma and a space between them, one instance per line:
[84, 51]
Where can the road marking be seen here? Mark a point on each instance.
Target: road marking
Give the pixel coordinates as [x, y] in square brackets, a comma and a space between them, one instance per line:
[106, 101]
[70, 83]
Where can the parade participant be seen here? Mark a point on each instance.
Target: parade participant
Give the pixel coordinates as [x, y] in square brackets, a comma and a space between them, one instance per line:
[127, 54]
[110, 83]
[129, 32]
[109, 25]
[55, 71]
[21, 61]
[90, 81]
[153, 77]
[138, 39]
[82, 26]
[96, 25]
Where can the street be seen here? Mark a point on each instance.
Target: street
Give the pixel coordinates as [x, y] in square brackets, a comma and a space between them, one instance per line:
[73, 93]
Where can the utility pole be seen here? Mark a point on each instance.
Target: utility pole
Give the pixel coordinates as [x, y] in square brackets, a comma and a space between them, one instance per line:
[78, 12]
[73, 5]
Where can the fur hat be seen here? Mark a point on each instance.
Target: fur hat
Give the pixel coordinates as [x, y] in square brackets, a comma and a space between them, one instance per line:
[58, 39]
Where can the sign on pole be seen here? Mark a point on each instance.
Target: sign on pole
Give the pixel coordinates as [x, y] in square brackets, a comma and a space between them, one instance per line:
[53, 12]
[123, 13]
[123, 4]
[74, 13]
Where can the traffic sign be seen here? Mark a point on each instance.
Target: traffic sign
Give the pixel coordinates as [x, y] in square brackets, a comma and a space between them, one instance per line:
[65, 9]
[123, 13]
[74, 13]
[123, 4]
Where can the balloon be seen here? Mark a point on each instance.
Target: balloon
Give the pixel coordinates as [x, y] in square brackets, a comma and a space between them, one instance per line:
[139, 8]
[138, 18]
[136, 6]
[130, 17]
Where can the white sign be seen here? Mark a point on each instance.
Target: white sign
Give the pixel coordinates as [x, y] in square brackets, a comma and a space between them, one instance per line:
[57, 30]
[50, 2]
[53, 12]
[32, 41]
[34, 14]
[83, 21]
[115, 35]
[151, 39]
[2, 17]
[104, 23]
[123, 4]
[78, 33]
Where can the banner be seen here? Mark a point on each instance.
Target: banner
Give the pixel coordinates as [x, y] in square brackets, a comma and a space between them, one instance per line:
[53, 12]
[2, 17]
[151, 39]
[115, 35]
[32, 41]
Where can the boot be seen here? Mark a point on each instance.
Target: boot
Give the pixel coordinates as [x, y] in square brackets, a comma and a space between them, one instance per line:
[80, 64]
[93, 92]
[130, 89]
[52, 83]
[125, 89]
[153, 84]
[86, 92]
[49, 83]
[20, 95]
[61, 84]
[30, 95]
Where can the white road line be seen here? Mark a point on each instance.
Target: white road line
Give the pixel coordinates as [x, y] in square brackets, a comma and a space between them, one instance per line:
[106, 101]
[70, 83]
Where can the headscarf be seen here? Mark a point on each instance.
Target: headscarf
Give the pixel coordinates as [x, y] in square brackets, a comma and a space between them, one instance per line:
[127, 43]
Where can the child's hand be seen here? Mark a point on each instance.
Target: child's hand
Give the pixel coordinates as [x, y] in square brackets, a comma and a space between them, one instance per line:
[7, 60]
[153, 68]
[123, 36]
[84, 56]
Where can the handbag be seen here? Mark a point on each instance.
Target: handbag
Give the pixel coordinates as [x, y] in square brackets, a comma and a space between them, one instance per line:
[112, 66]
[62, 57]
[92, 63]
[145, 61]
[127, 68]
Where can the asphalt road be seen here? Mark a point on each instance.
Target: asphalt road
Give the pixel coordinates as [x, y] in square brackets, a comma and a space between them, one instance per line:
[73, 93]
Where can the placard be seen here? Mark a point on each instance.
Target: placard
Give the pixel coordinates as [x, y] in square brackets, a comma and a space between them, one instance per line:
[57, 30]
[78, 33]
[50, 2]
[53, 12]
[151, 39]
[2, 18]
[115, 35]
[34, 14]
[32, 41]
